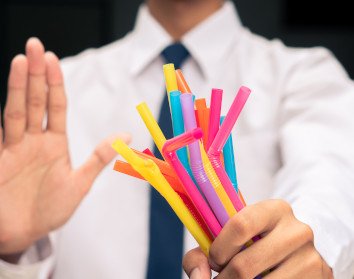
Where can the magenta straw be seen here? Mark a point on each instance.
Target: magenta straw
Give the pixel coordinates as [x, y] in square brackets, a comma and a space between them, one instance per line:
[215, 111]
[220, 139]
[196, 162]
[169, 152]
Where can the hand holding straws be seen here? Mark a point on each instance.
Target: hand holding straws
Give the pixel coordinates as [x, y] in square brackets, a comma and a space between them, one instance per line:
[199, 189]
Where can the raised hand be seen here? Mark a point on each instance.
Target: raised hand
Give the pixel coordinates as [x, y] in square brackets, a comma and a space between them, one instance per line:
[39, 190]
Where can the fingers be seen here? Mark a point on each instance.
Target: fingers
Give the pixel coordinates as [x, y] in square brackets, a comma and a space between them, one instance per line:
[195, 264]
[56, 95]
[15, 109]
[30, 78]
[269, 251]
[304, 263]
[36, 98]
[102, 155]
[249, 222]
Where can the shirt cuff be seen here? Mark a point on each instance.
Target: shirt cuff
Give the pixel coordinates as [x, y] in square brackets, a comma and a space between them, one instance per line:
[326, 236]
[36, 263]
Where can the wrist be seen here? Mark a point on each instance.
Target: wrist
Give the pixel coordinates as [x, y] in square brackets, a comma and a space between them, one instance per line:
[12, 258]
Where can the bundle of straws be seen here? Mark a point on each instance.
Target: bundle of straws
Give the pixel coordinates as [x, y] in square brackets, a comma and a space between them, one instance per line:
[197, 176]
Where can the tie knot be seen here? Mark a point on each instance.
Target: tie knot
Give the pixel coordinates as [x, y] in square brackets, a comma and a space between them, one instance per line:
[176, 54]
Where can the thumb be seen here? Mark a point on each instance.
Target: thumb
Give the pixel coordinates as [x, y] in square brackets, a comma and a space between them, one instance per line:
[101, 156]
[196, 265]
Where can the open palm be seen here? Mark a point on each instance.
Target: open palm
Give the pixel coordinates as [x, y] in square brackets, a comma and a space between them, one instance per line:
[39, 190]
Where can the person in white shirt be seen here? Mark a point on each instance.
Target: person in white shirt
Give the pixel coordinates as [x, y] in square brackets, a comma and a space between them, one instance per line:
[294, 150]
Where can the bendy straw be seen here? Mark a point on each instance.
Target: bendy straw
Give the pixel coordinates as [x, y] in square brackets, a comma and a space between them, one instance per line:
[169, 152]
[196, 163]
[150, 171]
[229, 159]
[181, 82]
[219, 142]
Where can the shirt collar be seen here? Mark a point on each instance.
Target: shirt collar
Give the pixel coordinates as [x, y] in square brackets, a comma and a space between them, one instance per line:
[208, 42]
[149, 40]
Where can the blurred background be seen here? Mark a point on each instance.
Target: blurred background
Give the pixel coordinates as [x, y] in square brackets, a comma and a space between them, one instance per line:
[70, 26]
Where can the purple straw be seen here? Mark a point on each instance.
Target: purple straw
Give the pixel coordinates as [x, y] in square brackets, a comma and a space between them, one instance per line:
[196, 162]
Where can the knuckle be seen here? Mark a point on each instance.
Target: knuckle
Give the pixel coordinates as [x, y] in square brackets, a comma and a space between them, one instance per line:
[238, 268]
[217, 256]
[307, 232]
[57, 107]
[242, 226]
[15, 115]
[315, 262]
[283, 206]
[36, 102]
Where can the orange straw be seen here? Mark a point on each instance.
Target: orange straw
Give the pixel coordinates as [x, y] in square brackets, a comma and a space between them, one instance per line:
[181, 82]
[126, 168]
[202, 112]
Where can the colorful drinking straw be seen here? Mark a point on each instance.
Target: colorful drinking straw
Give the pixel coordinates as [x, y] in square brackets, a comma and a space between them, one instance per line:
[181, 82]
[127, 169]
[174, 182]
[229, 159]
[170, 79]
[197, 164]
[169, 152]
[202, 112]
[163, 165]
[184, 198]
[178, 127]
[151, 124]
[176, 112]
[220, 140]
[150, 171]
[148, 152]
[173, 160]
[214, 118]
[215, 181]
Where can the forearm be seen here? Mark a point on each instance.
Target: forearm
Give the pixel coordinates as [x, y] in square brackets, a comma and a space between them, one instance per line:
[320, 197]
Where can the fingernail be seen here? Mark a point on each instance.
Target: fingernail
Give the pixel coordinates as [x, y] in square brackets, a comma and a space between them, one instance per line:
[195, 274]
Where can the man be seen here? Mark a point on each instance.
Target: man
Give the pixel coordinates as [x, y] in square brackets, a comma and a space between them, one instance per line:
[293, 140]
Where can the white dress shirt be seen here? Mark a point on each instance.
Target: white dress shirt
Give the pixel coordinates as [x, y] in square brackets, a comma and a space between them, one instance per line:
[294, 140]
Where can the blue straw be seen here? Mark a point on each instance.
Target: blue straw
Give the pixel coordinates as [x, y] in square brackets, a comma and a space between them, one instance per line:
[178, 128]
[229, 159]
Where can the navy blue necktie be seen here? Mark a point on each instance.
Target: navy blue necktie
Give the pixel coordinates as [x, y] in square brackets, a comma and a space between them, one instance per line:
[166, 231]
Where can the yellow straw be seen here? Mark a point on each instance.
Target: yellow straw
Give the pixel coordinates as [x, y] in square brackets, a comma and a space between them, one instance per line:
[170, 77]
[214, 180]
[151, 124]
[151, 172]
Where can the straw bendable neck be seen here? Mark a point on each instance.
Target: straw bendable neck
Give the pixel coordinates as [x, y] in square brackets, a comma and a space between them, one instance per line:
[229, 122]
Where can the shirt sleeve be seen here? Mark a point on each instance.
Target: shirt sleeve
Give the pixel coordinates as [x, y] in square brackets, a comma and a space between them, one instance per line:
[36, 263]
[316, 132]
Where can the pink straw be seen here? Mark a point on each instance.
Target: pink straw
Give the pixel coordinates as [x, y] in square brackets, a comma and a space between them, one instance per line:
[220, 140]
[169, 153]
[214, 118]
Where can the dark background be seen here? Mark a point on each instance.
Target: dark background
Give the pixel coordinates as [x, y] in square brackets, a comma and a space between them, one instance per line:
[69, 26]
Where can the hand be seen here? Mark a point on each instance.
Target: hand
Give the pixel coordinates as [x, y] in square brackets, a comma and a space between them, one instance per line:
[39, 190]
[286, 247]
